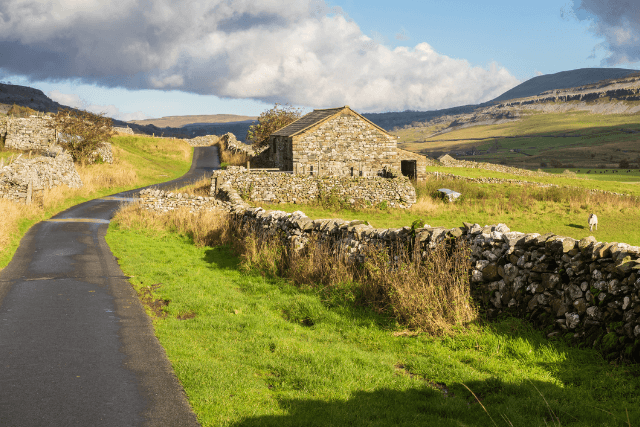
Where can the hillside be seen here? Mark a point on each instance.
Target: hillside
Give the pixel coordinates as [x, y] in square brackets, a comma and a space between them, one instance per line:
[591, 126]
[181, 121]
[532, 87]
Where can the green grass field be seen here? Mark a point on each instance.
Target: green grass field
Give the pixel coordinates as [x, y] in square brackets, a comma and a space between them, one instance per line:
[256, 351]
[574, 137]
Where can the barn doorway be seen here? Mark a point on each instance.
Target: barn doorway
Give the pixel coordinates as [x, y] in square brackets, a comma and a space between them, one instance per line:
[409, 168]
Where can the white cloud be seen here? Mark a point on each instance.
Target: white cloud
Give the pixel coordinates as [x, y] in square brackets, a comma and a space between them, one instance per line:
[68, 99]
[74, 101]
[303, 53]
[539, 73]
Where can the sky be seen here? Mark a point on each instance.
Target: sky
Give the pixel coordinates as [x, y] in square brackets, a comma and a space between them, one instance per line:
[136, 59]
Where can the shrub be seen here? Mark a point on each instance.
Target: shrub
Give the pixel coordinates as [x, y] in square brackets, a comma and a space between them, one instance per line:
[81, 132]
[624, 164]
[269, 122]
[20, 111]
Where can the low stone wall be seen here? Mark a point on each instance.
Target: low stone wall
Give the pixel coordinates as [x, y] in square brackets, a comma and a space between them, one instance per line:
[585, 291]
[281, 187]
[165, 201]
[105, 152]
[203, 141]
[449, 161]
[230, 143]
[24, 176]
[123, 131]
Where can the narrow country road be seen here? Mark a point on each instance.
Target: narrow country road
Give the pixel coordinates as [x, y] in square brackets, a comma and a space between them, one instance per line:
[76, 347]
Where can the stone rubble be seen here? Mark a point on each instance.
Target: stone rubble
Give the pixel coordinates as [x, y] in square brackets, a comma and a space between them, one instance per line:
[41, 172]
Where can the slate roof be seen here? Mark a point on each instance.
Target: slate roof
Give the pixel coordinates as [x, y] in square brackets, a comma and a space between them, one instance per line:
[313, 118]
[306, 121]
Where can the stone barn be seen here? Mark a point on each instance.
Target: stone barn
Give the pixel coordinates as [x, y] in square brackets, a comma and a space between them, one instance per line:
[338, 142]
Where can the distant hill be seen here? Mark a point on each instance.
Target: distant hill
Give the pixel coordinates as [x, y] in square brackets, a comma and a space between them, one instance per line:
[532, 87]
[27, 97]
[180, 121]
[562, 80]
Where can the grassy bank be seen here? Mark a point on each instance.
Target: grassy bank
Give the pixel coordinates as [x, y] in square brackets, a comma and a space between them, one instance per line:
[253, 349]
[139, 161]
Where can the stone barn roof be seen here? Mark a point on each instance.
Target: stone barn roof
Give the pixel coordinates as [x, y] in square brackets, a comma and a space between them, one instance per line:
[315, 117]
[445, 158]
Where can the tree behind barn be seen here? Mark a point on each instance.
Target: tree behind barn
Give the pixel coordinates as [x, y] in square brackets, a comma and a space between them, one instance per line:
[270, 121]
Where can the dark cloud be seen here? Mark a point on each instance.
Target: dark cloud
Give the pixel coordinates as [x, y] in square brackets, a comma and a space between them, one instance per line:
[304, 53]
[618, 22]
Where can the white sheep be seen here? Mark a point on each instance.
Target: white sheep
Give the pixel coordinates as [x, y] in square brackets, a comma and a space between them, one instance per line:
[593, 220]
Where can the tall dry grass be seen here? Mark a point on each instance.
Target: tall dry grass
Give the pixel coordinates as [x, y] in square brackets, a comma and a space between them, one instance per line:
[205, 228]
[94, 178]
[230, 158]
[12, 213]
[198, 188]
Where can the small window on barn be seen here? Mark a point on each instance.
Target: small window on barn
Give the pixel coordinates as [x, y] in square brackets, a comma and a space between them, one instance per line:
[351, 170]
[311, 170]
[360, 173]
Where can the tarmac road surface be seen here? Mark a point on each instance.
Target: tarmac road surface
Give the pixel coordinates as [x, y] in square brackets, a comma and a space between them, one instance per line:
[76, 347]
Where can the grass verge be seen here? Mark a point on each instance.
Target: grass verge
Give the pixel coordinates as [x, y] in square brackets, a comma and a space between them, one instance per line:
[139, 161]
[253, 350]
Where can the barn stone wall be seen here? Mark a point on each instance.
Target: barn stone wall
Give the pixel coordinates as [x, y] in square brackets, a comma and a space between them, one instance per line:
[344, 145]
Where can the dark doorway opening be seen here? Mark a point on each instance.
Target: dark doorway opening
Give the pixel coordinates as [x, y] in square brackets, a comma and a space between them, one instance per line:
[409, 168]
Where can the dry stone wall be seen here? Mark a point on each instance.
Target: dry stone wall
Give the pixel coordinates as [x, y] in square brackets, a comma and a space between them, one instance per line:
[340, 144]
[585, 291]
[203, 141]
[25, 134]
[449, 161]
[488, 180]
[123, 130]
[278, 187]
[165, 201]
